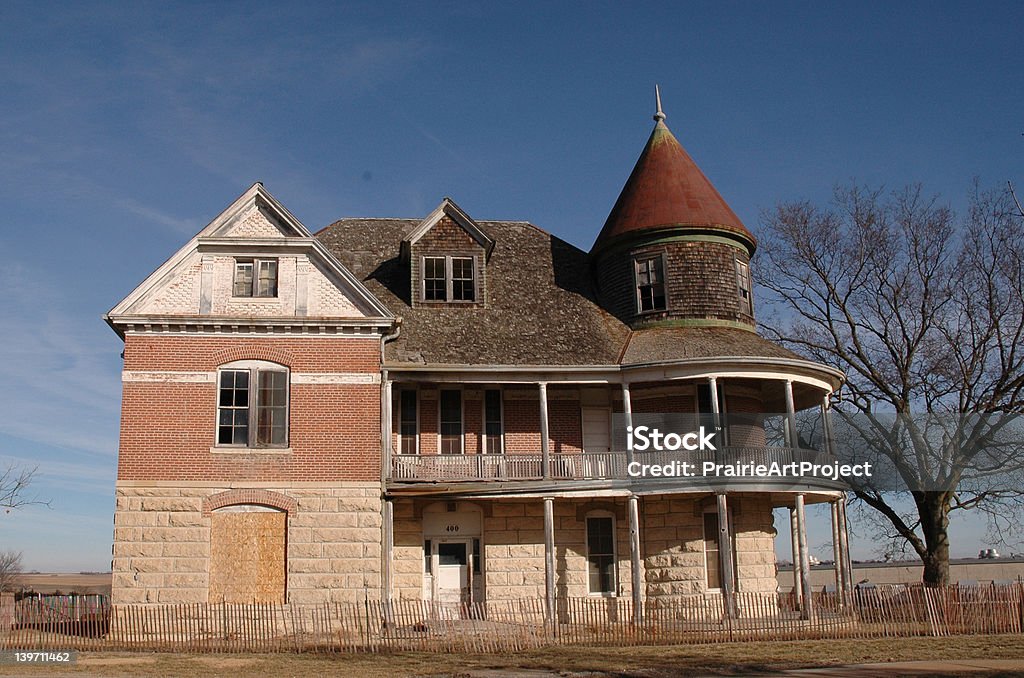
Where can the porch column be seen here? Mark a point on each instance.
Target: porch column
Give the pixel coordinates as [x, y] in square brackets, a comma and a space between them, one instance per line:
[549, 558]
[798, 582]
[715, 405]
[792, 437]
[807, 609]
[627, 409]
[726, 555]
[388, 530]
[545, 454]
[844, 544]
[634, 559]
[385, 425]
[837, 551]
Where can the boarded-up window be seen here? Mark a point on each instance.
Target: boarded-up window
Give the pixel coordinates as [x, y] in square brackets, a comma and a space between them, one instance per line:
[247, 556]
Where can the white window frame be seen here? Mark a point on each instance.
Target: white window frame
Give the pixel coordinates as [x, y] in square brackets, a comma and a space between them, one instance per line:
[255, 282]
[744, 283]
[254, 368]
[462, 421]
[449, 279]
[642, 258]
[615, 553]
[416, 409]
[483, 417]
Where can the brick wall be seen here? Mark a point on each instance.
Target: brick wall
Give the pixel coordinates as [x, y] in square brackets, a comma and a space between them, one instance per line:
[168, 427]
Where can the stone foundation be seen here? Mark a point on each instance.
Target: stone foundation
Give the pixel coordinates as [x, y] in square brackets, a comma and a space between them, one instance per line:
[162, 542]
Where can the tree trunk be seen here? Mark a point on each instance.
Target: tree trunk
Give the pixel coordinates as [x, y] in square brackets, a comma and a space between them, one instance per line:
[933, 509]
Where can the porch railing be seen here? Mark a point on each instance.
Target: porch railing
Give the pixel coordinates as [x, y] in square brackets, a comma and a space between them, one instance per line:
[578, 465]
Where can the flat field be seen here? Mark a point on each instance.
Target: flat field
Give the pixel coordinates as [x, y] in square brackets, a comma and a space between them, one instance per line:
[47, 582]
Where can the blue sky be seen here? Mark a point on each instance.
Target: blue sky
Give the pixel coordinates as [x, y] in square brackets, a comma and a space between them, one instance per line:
[124, 128]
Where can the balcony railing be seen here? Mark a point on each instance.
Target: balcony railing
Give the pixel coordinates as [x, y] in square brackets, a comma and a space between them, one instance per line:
[577, 465]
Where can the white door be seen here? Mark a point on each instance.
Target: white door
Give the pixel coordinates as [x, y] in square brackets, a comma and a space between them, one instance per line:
[596, 440]
[453, 572]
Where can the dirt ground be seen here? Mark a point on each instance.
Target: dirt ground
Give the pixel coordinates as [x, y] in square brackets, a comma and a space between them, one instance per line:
[591, 662]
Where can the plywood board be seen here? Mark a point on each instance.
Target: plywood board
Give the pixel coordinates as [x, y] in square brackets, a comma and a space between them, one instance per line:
[247, 557]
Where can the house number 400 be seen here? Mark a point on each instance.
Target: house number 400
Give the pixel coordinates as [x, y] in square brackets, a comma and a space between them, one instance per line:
[453, 528]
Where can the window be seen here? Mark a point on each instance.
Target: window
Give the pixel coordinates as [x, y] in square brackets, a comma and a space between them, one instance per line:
[408, 422]
[712, 553]
[650, 284]
[252, 405]
[255, 278]
[743, 285]
[492, 422]
[451, 422]
[435, 287]
[601, 554]
[428, 557]
[449, 278]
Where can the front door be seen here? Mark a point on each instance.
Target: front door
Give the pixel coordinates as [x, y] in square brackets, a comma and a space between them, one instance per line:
[453, 572]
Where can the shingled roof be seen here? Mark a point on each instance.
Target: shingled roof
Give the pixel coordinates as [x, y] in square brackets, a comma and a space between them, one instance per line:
[540, 307]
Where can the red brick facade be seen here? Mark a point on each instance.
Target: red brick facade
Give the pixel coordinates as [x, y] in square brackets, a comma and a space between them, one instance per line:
[168, 428]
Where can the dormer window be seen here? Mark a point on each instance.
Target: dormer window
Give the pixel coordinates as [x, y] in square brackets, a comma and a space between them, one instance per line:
[255, 278]
[650, 284]
[449, 278]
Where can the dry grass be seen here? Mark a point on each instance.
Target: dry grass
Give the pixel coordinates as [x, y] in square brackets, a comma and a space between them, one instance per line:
[650, 662]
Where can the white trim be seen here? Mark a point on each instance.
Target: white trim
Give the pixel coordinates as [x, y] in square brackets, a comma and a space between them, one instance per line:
[449, 208]
[713, 508]
[169, 377]
[175, 377]
[336, 378]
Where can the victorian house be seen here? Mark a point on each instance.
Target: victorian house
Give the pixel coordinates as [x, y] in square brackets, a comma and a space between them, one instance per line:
[424, 408]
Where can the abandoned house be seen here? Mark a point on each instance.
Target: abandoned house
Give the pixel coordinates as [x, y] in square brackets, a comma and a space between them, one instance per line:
[423, 408]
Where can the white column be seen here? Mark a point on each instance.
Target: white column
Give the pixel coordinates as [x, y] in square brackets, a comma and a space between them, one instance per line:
[844, 544]
[385, 426]
[549, 558]
[627, 409]
[792, 437]
[716, 411]
[798, 582]
[837, 552]
[725, 556]
[634, 559]
[545, 453]
[388, 529]
[807, 608]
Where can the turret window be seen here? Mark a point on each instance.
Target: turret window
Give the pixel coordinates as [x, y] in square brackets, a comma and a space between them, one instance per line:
[743, 286]
[650, 284]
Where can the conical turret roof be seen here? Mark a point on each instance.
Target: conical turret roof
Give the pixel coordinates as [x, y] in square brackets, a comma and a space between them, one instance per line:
[668, 191]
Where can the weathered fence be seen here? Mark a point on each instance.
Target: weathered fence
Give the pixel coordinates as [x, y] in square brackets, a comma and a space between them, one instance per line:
[509, 626]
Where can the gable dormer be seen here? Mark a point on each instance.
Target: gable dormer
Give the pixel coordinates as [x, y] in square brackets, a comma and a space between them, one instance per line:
[254, 262]
[447, 255]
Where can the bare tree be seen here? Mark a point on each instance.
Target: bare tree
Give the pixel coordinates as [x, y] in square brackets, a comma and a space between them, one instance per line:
[10, 570]
[14, 484]
[925, 314]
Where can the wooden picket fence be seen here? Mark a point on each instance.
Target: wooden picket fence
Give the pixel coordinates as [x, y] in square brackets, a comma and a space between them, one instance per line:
[509, 626]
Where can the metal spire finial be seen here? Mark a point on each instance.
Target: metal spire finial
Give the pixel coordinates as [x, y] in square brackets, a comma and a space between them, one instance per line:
[659, 116]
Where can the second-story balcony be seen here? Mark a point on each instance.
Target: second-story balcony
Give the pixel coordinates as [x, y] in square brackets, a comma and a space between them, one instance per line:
[581, 466]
